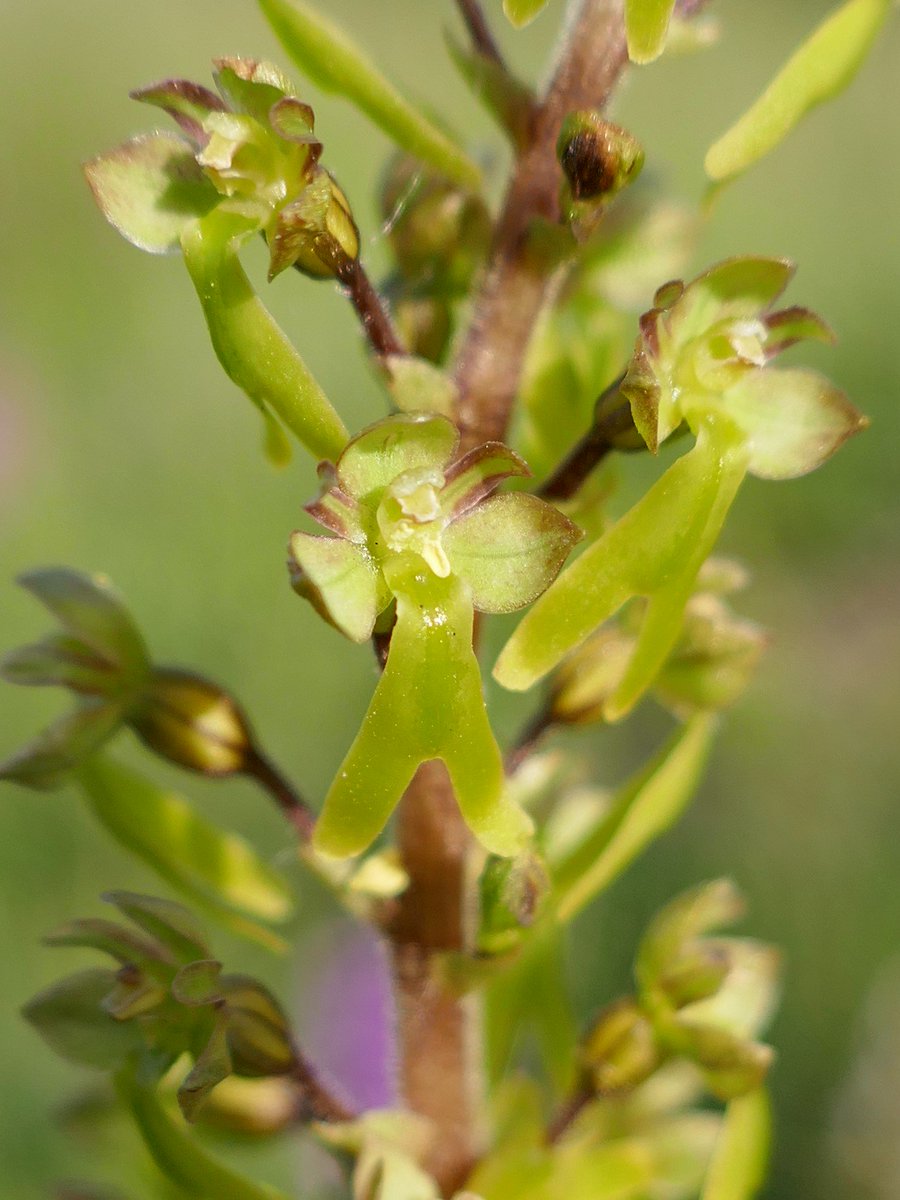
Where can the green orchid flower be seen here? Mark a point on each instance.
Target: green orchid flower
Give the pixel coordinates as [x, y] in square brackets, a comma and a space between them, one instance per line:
[701, 360]
[411, 524]
[247, 163]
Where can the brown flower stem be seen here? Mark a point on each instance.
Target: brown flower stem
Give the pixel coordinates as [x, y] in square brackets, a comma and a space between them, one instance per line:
[294, 808]
[370, 308]
[519, 279]
[568, 1114]
[529, 739]
[479, 30]
[587, 454]
[314, 1101]
[438, 1032]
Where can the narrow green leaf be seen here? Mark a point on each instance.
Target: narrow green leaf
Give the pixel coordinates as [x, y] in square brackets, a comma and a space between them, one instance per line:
[738, 1168]
[522, 12]
[336, 64]
[150, 189]
[253, 350]
[646, 26]
[818, 70]
[179, 1156]
[647, 806]
[216, 868]
[428, 704]
[69, 1016]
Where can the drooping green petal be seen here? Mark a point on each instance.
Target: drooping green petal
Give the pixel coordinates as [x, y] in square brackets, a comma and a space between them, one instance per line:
[823, 66]
[522, 12]
[340, 580]
[48, 760]
[738, 1167]
[70, 1017]
[336, 64]
[402, 442]
[252, 349]
[91, 609]
[794, 420]
[150, 189]
[213, 867]
[646, 26]
[645, 808]
[508, 549]
[177, 1153]
[428, 704]
[655, 550]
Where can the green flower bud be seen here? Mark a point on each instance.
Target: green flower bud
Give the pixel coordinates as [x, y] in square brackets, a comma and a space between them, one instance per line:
[194, 723]
[621, 1050]
[512, 891]
[315, 233]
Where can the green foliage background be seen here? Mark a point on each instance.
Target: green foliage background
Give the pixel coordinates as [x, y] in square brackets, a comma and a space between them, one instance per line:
[123, 449]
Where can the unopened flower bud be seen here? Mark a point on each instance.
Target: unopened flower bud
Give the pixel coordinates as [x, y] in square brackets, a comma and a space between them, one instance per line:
[194, 723]
[512, 891]
[598, 159]
[621, 1050]
[316, 232]
[258, 1035]
[589, 676]
[696, 974]
[731, 1065]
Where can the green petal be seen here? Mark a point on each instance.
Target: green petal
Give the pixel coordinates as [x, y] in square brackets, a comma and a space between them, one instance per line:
[794, 420]
[150, 189]
[189, 104]
[213, 867]
[70, 1017]
[251, 87]
[120, 942]
[90, 609]
[508, 549]
[253, 350]
[477, 473]
[403, 442]
[341, 581]
[655, 550]
[167, 922]
[335, 64]
[738, 1167]
[643, 810]
[60, 661]
[818, 70]
[522, 12]
[428, 704]
[646, 26]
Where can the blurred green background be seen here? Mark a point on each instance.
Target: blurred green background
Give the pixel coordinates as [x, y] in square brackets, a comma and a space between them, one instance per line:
[123, 449]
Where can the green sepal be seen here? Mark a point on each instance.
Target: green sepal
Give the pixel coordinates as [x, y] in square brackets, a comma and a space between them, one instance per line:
[640, 812]
[793, 420]
[60, 660]
[254, 352]
[211, 1066]
[695, 912]
[335, 64]
[508, 549]
[655, 550]
[218, 870]
[522, 12]
[341, 581]
[123, 944]
[821, 68]
[187, 103]
[646, 27]
[741, 1155]
[91, 610]
[150, 189]
[428, 704]
[253, 87]
[71, 1019]
[166, 921]
[178, 1155]
[418, 386]
[403, 442]
[49, 760]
